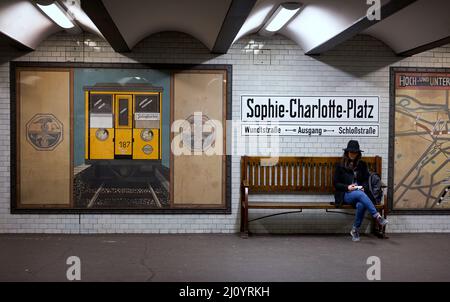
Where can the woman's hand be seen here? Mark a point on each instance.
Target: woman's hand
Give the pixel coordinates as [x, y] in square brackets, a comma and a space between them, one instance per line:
[353, 187]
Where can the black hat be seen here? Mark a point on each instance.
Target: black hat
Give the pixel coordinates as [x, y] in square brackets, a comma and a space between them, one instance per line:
[352, 146]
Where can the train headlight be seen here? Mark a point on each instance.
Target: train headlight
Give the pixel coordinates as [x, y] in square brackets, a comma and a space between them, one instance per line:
[147, 149]
[101, 134]
[147, 135]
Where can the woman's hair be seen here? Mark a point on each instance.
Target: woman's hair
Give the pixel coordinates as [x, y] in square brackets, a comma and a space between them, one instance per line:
[347, 163]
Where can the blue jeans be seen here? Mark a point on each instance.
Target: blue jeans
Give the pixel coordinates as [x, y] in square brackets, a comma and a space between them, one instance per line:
[362, 202]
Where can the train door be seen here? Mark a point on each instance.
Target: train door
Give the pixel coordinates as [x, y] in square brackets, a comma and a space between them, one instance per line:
[101, 128]
[123, 144]
[147, 119]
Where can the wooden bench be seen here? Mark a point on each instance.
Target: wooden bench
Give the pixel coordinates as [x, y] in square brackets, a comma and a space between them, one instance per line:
[299, 175]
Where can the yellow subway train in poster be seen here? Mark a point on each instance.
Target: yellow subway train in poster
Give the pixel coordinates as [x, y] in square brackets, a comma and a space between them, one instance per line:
[123, 122]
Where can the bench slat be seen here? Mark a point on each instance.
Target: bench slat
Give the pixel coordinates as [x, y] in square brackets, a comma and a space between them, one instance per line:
[261, 175]
[278, 176]
[256, 174]
[300, 167]
[330, 171]
[316, 171]
[251, 182]
[306, 175]
[323, 167]
[297, 205]
[289, 177]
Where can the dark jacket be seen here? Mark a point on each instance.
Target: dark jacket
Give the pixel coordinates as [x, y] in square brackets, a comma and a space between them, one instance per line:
[344, 177]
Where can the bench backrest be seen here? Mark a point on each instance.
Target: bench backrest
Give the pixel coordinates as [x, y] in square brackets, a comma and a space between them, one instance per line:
[294, 174]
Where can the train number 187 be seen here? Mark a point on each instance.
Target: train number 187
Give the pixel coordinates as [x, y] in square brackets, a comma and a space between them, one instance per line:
[125, 144]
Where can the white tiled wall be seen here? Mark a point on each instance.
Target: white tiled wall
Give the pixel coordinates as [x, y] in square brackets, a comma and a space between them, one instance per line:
[358, 67]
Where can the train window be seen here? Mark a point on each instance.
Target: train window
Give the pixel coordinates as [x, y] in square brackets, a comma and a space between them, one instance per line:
[123, 112]
[147, 103]
[101, 103]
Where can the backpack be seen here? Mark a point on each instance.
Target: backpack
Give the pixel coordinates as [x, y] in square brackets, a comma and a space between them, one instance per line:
[376, 187]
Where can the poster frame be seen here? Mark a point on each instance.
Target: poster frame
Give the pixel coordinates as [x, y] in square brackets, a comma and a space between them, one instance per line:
[392, 74]
[14, 66]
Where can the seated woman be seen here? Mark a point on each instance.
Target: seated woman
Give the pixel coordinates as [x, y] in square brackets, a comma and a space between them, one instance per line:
[349, 177]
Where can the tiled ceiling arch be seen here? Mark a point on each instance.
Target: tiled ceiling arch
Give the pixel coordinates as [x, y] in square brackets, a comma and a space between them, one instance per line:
[407, 26]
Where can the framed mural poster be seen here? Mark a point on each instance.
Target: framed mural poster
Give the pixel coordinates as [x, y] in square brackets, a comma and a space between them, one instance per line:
[98, 138]
[420, 140]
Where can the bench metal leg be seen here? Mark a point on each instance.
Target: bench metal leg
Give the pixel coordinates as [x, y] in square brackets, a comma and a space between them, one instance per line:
[244, 222]
[244, 212]
[385, 212]
[377, 230]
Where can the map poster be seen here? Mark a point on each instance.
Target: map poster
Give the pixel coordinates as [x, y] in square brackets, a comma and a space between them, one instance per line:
[421, 169]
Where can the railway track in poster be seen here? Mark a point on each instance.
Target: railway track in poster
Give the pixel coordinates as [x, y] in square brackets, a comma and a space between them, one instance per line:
[109, 191]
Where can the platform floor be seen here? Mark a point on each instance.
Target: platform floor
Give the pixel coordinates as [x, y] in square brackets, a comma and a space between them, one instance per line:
[404, 257]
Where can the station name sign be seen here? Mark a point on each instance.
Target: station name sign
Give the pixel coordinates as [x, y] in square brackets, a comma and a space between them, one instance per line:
[310, 115]
[422, 81]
